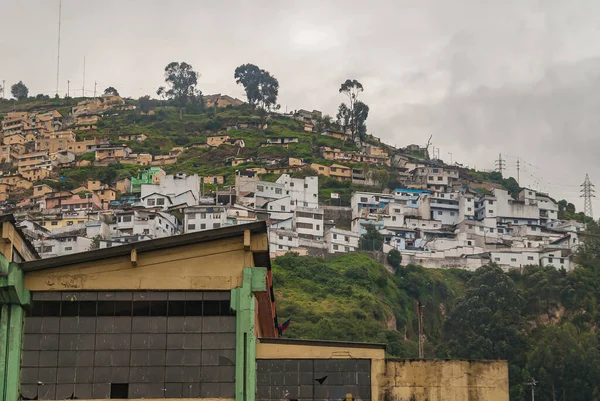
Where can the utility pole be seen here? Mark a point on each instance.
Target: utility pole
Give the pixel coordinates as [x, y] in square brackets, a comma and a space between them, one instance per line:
[532, 383]
[420, 325]
[587, 193]
[68, 88]
[518, 170]
[58, 51]
[83, 85]
[500, 164]
[3, 88]
[95, 83]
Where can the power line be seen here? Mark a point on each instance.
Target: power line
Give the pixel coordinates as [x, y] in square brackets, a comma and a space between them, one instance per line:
[587, 193]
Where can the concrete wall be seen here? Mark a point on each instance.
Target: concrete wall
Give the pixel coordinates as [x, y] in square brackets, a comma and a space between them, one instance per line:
[446, 380]
[340, 214]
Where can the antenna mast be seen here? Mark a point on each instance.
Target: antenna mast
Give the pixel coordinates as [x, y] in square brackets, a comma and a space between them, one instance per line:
[58, 51]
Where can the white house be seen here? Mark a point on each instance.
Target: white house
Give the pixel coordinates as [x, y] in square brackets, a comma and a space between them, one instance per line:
[59, 245]
[309, 223]
[341, 241]
[173, 186]
[282, 240]
[200, 218]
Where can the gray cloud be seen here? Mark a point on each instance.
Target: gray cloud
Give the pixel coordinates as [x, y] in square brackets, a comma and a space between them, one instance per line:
[485, 77]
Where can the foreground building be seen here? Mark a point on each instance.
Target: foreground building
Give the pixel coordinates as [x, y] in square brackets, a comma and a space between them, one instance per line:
[189, 317]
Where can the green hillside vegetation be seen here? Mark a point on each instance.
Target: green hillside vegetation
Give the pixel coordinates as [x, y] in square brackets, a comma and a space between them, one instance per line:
[544, 321]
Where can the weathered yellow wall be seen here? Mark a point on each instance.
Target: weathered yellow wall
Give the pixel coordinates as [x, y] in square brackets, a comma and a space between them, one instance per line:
[446, 381]
[215, 265]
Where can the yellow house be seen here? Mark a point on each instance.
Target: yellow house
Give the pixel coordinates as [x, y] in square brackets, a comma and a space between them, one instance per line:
[87, 122]
[16, 181]
[41, 190]
[116, 152]
[219, 100]
[8, 153]
[123, 185]
[5, 190]
[216, 179]
[133, 137]
[14, 138]
[93, 184]
[172, 318]
[337, 171]
[106, 194]
[36, 174]
[81, 147]
[217, 140]
[53, 145]
[293, 161]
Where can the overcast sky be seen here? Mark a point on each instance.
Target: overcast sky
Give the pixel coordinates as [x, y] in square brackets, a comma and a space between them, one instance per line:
[521, 78]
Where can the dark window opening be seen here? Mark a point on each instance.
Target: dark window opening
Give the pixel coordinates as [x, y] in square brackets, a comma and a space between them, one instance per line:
[119, 390]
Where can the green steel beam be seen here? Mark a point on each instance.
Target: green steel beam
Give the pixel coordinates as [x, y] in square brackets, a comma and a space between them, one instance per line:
[243, 302]
[14, 298]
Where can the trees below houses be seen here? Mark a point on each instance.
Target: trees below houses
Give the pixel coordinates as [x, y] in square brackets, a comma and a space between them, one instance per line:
[19, 91]
[261, 87]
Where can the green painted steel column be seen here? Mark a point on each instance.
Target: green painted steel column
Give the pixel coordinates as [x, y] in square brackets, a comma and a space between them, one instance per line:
[14, 298]
[243, 302]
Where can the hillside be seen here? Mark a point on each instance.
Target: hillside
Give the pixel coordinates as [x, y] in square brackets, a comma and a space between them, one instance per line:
[543, 320]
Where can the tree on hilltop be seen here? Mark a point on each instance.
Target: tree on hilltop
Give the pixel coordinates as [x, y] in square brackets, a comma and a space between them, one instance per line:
[111, 91]
[354, 115]
[19, 91]
[261, 87]
[182, 83]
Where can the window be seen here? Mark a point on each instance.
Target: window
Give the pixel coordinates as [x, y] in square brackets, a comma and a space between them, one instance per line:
[334, 236]
[435, 170]
[469, 242]
[393, 218]
[304, 225]
[529, 257]
[289, 238]
[490, 202]
[497, 259]
[480, 228]
[68, 248]
[278, 191]
[423, 225]
[469, 209]
[55, 223]
[46, 249]
[431, 178]
[364, 200]
[469, 226]
[69, 223]
[335, 247]
[216, 225]
[260, 188]
[451, 213]
[491, 230]
[191, 226]
[280, 246]
[440, 178]
[533, 228]
[127, 219]
[347, 249]
[202, 215]
[119, 390]
[291, 184]
[160, 201]
[439, 212]
[291, 203]
[550, 260]
[435, 226]
[500, 231]
[282, 208]
[562, 260]
[192, 217]
[513, 259]
[318, 227]
[202, 226]
[281, 237]
[347, 238]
